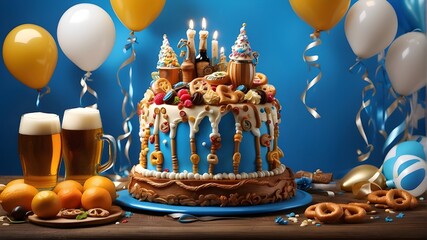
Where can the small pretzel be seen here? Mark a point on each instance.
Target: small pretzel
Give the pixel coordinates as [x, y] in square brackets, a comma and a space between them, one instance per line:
[97, 212]
[199, 85]
[226, 95]
[70, 213]
[404, 201]
[353, 213]
[378, 196]
[328, 212]
[309, 211]
[365, 206]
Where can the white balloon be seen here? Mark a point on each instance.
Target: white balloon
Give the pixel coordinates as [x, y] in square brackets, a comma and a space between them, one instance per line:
[405, 63]
[86, 35]
[370, 26]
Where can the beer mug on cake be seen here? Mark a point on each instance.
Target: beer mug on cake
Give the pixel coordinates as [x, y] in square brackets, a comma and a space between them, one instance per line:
[39, 147]
[241, 67]
[82, 143]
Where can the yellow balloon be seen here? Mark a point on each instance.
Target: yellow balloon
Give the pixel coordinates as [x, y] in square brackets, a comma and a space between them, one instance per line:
[322, 15]
[137, 14]
[30, 54]
[362, 173]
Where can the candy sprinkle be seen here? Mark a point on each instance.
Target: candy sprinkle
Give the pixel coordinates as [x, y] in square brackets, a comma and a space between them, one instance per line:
[388, 219]
[279, 220]
[400, 215]
[292, 214]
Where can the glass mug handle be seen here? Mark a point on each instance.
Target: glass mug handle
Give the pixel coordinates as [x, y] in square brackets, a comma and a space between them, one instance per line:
[112, 153]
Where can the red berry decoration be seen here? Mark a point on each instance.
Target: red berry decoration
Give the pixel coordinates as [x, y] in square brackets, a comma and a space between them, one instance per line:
[182, 91]
[188, 104]
[158, 99]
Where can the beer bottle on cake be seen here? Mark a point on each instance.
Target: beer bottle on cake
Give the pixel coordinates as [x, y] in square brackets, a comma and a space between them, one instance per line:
[241, 67]
[202, 60]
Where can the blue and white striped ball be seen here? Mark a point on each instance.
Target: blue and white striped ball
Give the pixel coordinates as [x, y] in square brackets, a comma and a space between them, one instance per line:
[410, 174]
[404, 148]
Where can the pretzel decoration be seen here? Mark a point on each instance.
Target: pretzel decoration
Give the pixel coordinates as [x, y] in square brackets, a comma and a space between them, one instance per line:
[70, 213]
[98, 212]
[226, 95]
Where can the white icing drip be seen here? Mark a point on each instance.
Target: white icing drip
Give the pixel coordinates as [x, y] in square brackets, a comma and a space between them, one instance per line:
[206, 176]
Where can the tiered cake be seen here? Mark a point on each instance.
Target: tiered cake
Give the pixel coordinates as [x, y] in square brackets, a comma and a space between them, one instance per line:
[210, 139]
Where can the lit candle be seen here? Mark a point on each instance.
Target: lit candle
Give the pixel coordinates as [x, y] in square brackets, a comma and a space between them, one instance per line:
[215, 49]
[190, 36]
[203, 35]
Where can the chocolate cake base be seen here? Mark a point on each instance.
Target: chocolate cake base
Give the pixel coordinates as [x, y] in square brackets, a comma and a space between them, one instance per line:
[191, 192]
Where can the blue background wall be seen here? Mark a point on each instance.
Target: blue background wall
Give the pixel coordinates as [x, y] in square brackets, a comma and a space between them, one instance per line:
[274, 30]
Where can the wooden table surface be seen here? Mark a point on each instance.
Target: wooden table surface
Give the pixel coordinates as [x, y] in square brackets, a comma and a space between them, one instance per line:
[154, 225]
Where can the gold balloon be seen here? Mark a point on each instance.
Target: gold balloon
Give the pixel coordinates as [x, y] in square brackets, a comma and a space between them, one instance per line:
[360, 174]
[137, 14]
[30, 54]
[322, 15]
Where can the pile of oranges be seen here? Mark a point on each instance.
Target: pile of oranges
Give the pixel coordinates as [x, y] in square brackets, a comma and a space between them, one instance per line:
[96, 192]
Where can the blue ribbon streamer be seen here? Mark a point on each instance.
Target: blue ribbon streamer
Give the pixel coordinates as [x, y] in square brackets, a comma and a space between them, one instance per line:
[86, 88]
[401, 128]
[127, 100]
[41, 94]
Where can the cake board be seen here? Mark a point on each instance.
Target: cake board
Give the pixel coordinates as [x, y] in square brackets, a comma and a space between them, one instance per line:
[301, 198]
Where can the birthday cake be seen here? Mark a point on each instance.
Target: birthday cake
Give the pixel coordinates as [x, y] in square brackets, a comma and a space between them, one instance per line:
[210, 138]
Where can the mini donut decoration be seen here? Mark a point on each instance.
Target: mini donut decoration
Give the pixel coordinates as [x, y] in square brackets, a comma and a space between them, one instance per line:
[259, 80]
[218, 78]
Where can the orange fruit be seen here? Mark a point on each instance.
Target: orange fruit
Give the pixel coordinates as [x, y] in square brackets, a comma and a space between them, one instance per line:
[17, 194]
[96, 197]
[19, 180]
[68, 184]
[70, 197]
[46, 204]
[100, 181]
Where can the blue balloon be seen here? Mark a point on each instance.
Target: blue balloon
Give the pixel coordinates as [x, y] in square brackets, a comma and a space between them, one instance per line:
[413, 148]
[415, 12]
[411, 14]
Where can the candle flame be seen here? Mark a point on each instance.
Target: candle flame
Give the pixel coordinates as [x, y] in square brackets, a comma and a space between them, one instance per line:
[215, 35]
[204, 23]
[191, 24]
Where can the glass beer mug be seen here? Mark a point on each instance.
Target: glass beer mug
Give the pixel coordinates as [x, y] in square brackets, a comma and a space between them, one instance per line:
[82, 144]
[39, 146]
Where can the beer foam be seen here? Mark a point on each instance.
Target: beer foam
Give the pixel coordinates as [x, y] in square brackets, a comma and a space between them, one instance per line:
[81, 119]
[39, 123]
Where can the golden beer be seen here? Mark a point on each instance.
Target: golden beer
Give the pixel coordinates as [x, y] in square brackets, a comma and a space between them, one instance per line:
[39, 146]
[82, 144]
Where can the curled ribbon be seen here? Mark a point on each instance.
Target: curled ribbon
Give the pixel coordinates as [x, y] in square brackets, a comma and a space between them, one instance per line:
[401, 128]
[364, 106]
[41, 94]
[311, 62]
[86, 88]
[127, 99]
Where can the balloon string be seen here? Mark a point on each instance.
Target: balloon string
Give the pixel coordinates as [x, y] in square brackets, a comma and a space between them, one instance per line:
[364, 106]
[127, 99]
[41, 94]
[86, 88]
[311, 62]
